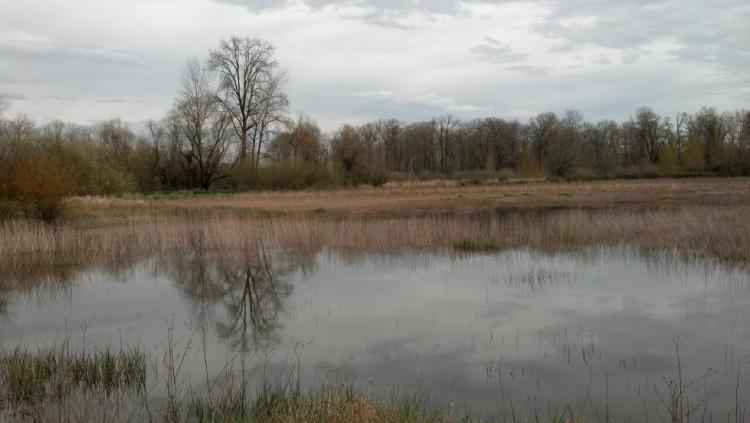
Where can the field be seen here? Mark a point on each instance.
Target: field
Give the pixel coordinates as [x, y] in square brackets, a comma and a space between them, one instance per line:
[433, 196]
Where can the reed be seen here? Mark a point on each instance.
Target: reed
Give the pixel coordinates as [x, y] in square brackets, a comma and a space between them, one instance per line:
[34, 382]
[699, 231]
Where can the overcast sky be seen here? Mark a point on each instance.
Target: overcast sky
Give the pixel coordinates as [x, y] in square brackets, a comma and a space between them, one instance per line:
[352, 61]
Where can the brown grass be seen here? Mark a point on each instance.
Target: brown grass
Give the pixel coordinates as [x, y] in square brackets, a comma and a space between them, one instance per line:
[722, 231]
[698, 217]
[433, 196]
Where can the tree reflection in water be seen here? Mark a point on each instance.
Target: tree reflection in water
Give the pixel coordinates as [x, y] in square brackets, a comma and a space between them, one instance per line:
[241, 294]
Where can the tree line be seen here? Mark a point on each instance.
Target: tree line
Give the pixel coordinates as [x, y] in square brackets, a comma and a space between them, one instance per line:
[229, 128]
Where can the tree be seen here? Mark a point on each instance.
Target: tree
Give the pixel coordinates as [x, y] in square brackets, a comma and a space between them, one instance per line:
[301, 141]
[249, 89]
[541, 130]
[562, 154]
[668, 159]
[270, 116]
[444, 128]
[694, 157]
[648, 133]
[201, 128]
[357, 159]
[709, 126]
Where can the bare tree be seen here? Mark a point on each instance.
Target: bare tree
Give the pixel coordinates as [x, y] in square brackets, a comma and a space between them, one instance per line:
[249, 89]
[648, 133]
[201, 127]
[270, 116]
[302, 140]
[541, 129]
[444, 127]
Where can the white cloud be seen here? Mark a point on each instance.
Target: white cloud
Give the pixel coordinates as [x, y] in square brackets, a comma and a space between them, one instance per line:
[368, 59]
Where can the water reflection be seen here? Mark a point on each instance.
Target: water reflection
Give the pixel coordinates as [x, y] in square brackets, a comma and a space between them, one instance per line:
[591, 330]
[241, 294]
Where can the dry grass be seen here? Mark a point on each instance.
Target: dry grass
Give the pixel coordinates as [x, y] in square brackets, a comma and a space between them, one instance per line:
[721, 231]
[434, 196]
[698, 217]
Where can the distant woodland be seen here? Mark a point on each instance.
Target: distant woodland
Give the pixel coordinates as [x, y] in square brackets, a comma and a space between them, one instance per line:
[230, 129]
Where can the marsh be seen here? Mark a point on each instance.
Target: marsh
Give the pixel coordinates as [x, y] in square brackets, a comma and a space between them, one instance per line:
[601, 329]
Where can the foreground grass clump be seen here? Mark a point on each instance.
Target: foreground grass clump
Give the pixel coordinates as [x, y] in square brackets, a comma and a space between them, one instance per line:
[30, 379]
[331, 404]
[42, 386]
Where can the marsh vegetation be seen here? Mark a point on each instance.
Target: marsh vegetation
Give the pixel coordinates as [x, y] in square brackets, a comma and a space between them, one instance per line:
[563, 314]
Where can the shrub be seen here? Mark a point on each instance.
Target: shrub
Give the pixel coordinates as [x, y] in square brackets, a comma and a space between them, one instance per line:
[668, 160]
[38, 183]
[285, 175]
[693, 158]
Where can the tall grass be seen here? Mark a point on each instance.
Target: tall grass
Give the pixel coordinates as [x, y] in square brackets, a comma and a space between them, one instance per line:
[35, 384]
[722, 232]
[33, 381]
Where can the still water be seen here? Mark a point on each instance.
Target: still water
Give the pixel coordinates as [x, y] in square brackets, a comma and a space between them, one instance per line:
[596, 331]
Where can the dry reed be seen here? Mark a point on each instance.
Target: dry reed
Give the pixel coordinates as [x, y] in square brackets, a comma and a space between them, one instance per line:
[723, 232]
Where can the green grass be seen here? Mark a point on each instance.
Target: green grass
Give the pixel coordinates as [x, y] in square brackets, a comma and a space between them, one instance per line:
[31, 378]
[35, 384]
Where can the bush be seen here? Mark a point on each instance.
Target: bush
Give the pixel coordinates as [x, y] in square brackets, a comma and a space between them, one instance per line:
[285, 175]
[38, 183]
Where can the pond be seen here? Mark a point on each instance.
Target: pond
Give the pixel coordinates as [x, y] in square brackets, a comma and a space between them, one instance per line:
[526, 332]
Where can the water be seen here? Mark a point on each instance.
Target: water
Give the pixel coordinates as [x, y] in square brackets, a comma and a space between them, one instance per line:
[595, 331]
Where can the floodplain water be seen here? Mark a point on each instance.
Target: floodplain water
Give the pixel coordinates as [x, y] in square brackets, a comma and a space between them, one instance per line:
[596, 331]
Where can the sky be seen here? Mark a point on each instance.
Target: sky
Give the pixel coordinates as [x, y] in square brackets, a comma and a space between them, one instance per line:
[353, 61]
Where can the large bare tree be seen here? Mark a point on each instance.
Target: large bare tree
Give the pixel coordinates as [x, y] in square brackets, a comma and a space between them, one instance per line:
[201, 127]
[249, 90]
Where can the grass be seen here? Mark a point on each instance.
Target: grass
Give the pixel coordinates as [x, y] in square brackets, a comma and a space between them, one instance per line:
[333, 404]
[411, 198]
[705, 219]
[31, 381]
[709, 231]
[35, 382]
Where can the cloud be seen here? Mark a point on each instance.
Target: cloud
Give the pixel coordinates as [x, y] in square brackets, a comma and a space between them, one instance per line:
[59, 98]
[436, 103]
[495, 51]
[714, 33]
[13, 96]
[356, 60]
[27, 44]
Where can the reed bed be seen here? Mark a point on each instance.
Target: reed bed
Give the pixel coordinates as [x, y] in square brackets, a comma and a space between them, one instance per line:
[721, 232]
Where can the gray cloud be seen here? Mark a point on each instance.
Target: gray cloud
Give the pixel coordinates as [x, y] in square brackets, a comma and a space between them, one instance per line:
[32, 46]
[14, 96]
[495, 51]
[714, 32]
[58, 97]
[357, 60]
